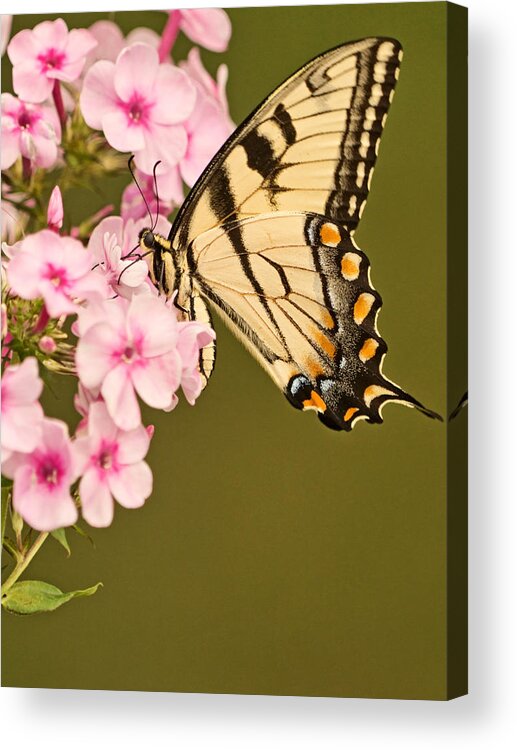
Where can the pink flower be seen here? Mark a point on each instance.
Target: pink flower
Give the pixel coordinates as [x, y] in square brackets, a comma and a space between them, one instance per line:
[29, 130]
[57, 269]
[42, 479]
[22, 415]
[131, 349]
[139, 104]
[193, 336]
[112, 465]
[47, 53]
[111, 241]
[209, 27]
[55, 210]
[133, 206]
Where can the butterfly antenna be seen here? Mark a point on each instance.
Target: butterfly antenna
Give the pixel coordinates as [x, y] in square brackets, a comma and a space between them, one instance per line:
[130, 166]
[155, 180]
[130, 253]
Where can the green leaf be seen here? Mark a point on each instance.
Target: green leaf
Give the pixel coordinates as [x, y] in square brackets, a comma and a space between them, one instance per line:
[60, 536]
[29, 597]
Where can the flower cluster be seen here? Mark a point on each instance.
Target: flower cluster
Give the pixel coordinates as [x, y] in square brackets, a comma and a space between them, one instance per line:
[78, 299]
[129, 344]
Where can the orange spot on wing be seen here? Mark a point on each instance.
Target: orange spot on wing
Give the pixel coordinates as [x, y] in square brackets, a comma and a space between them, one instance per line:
[315, 402]
[368, 350]
[374, 391]
[363, 306]
[350, 263]
[330, 234]
[324, 343]
[350, 413]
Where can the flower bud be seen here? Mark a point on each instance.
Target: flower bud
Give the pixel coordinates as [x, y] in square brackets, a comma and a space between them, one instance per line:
[55, 210]
[47, 345]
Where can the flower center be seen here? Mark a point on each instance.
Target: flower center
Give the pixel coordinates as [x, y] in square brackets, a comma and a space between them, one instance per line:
[105, 460]
[25, 120]
[128, 354]
[49, 473]
[137, 110]
[52, 59]
[56, 276]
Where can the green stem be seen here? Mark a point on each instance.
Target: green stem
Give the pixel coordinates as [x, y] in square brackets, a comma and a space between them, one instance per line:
[24, 562]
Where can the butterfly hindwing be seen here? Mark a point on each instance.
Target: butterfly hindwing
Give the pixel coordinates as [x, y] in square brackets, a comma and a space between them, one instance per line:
[296, 288]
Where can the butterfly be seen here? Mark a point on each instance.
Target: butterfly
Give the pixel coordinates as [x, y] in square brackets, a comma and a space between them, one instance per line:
[266, 237]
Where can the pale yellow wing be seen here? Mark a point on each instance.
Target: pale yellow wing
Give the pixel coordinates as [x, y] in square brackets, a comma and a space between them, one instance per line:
[311, 146]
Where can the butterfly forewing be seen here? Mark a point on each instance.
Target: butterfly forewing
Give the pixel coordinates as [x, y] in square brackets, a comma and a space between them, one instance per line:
[311, 146]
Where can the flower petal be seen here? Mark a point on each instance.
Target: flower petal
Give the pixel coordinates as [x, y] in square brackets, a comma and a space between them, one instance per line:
[97, 506]
[167, 143]
[133, 445]
[153, 324]
[94, 354]
[136, 70]
[10, 149]
[175, 96]
[209, 27]
[22, 47]
[121, 133]
[98, 95]
[79, 43]
[118, 392]
[132, 485]
[157, 379]
[29, 84]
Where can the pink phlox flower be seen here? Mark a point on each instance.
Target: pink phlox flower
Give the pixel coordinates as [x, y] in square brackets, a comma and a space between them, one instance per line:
[55, 210]
[140, 105]
[42, 479]
[29, 130]
[112, 467]
[193, 336]
[22, 415]
[132, 351]
[125, 277]
[47, 53]
[5, 31]
[133, 206]
[57, 269]
[126, 234]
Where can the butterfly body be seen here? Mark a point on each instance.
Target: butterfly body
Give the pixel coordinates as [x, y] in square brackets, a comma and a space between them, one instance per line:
[266, 236]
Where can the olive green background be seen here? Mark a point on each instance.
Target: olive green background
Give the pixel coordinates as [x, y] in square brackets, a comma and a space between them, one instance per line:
[275, 555]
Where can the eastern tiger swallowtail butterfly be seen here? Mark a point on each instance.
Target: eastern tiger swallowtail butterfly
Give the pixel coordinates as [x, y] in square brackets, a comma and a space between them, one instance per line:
[266, 236]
